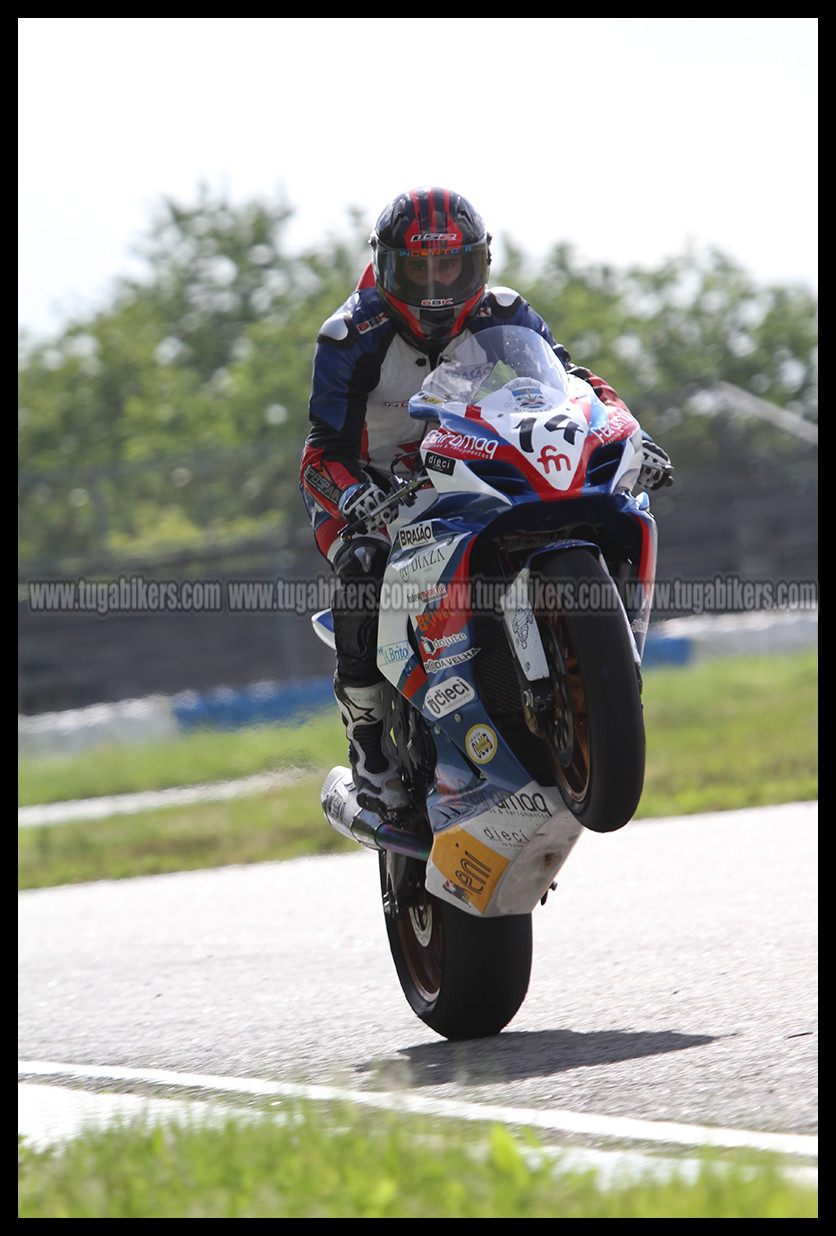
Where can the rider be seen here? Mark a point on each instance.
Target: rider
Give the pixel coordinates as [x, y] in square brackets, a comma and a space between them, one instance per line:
[425, 286]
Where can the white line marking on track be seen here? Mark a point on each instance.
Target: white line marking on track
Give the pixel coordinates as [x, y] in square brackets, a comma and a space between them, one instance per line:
[556, 1121]
[151, 800]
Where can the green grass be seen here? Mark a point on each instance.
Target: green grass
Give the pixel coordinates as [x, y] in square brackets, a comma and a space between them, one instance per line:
[720, 735]
[191, 759]
[280, 824]
[731, 733]
[356, 1164]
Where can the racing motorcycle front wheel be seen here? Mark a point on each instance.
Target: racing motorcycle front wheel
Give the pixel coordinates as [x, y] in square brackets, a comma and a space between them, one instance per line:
[464, 976]
[595, 737]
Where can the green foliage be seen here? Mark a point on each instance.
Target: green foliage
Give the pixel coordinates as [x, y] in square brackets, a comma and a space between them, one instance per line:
[207, 361]
[178, 414]
[662, 336]
[310, 1163]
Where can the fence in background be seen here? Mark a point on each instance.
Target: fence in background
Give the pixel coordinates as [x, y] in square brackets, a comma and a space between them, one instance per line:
[743, 528]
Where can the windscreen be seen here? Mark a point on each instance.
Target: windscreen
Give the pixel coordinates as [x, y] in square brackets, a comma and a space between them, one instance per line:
[485, 361]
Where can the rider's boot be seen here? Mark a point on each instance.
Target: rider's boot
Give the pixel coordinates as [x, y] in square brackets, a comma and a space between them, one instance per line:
[373, 768]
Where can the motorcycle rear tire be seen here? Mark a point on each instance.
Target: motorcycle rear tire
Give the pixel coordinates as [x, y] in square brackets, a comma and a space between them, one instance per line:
[465, 977]
[596, 738]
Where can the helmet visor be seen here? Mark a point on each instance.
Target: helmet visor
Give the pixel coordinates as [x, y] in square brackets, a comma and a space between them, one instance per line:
[435, 280]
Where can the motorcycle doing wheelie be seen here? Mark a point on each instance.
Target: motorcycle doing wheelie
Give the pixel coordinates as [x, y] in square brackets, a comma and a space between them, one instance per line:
[513, 615]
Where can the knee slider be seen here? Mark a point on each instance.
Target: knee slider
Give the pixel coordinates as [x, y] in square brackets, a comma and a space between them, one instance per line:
[362, 558]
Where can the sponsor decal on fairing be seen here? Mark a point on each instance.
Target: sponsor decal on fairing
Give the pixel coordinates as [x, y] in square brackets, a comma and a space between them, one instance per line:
[416, 534]
[448, 695]
[481, 743]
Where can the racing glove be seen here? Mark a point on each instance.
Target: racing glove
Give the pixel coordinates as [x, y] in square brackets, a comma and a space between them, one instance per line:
[359, 501]
[656, 468]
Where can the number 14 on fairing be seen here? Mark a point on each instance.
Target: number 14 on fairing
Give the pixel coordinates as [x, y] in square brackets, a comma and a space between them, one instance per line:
[559, 452]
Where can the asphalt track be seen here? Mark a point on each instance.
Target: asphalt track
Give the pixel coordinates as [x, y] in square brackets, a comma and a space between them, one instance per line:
[674, 985]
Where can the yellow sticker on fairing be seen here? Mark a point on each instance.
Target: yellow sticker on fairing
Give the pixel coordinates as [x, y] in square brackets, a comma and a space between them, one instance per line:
[471, 867]
[481, 743]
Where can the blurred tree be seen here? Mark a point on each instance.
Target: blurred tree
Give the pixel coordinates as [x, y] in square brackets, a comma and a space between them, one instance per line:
[211, 351]
[209, 357]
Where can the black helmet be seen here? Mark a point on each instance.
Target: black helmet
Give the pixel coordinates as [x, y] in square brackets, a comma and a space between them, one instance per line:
[431, 260]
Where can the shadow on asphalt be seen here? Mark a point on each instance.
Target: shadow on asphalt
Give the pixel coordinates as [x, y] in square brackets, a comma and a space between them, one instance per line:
[515, 1056]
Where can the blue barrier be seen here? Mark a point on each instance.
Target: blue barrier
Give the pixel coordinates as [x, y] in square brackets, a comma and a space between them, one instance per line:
[666, 650]
[288, 703]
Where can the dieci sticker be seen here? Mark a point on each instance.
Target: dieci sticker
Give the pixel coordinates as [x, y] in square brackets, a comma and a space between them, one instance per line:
[450, 694]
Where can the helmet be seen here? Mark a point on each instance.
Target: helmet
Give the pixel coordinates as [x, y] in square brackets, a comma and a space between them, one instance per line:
[431, 256]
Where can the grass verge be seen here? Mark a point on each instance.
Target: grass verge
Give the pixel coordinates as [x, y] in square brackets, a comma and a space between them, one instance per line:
[731, 733]
[355, 1164]
[720, 735]
[191, 759]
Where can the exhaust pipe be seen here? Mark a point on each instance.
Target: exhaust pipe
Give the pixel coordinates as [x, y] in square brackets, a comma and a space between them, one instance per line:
[346, 816]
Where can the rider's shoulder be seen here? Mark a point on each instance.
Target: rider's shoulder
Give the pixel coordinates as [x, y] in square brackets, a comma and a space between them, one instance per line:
[357, 320]
[503, 301]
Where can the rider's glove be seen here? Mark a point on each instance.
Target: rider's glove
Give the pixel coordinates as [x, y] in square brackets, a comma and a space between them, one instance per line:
[656, 468]
[357, 503]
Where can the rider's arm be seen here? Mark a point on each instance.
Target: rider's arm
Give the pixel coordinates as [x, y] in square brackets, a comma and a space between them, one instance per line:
[602, 389]
[333, 452]
[329, 468]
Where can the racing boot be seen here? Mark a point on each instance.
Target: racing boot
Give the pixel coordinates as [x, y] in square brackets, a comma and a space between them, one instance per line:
[373, 768]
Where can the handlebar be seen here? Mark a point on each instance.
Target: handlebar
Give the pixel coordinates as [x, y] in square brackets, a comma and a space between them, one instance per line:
[404, 495]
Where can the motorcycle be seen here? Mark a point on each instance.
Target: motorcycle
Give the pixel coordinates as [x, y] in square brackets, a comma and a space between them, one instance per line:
[513, 615]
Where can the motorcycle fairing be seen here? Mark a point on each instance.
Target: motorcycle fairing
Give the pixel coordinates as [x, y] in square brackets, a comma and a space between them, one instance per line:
[528, 456]
[504, 835]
